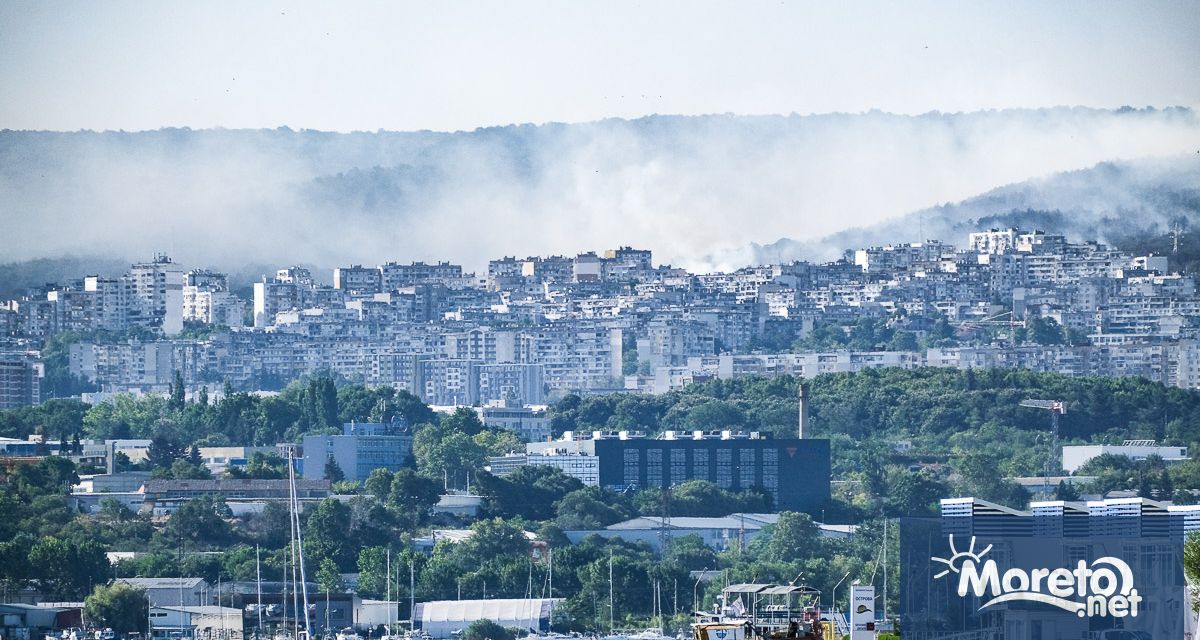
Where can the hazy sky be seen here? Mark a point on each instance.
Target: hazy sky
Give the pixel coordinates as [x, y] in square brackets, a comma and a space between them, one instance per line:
[459, 65]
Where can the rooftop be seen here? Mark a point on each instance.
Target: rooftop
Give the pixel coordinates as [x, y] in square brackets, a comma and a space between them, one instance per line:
[231, 484]
[163, 583]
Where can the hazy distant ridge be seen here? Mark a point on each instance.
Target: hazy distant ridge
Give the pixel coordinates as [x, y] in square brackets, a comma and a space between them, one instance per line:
[688, 187]
[1107, 202]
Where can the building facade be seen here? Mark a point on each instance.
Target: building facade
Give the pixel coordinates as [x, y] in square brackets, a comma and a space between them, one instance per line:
[362, 448]
[21, 374]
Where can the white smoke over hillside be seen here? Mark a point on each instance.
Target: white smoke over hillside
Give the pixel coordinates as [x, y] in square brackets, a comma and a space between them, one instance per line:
[687, 187]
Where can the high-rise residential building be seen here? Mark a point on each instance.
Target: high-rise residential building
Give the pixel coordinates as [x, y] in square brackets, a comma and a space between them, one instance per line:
[358, 279]
[156, 288]
[397, 276]
[110, 300]
[21, 376]
[513, 384]
[287, 291]
[207, 299]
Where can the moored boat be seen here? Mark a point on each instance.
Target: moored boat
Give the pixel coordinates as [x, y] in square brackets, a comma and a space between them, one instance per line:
[764, 612]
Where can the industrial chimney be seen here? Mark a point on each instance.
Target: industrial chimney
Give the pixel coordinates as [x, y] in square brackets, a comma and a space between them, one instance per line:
[803, 397]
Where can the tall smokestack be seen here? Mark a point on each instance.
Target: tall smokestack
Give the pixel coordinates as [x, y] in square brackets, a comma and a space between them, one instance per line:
[803, 398]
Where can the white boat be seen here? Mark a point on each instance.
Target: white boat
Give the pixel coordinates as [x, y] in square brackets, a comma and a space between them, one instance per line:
[770, 612]
[652, 633]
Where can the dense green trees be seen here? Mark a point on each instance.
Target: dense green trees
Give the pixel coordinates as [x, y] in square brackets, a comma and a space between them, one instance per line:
[65, 569]
[964, 428]
[312, 404]
[202, 523]
[1151, 478]
[409, 494]
[119, 607]
[325, 533]
[261, 466]
[55, 418]
[487, 630]
[701, 498]
[529, 492]
[591, 508]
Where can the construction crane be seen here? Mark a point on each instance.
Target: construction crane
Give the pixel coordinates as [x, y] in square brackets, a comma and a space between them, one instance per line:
[1056, 408]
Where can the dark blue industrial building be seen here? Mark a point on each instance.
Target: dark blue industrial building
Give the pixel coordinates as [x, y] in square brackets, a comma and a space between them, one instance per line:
[794, 472]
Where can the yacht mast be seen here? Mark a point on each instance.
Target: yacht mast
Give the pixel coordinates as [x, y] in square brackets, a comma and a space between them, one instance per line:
[391, 605]
[299, 542]
[885, 566]
[610, 590]
[258, 588]
[292, 551]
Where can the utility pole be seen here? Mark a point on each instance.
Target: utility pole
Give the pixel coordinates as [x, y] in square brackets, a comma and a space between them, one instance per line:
[695, 588]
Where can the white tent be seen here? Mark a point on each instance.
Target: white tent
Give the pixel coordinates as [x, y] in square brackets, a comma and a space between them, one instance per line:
[443, 617]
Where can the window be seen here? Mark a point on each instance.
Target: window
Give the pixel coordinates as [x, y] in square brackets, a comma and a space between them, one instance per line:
[679, 467]
[724, 468]
[770, 467]
[700, 464]
[632, 468]
[654, 467]
[746, 468]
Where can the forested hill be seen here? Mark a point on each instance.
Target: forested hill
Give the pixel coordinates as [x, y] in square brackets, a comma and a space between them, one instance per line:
[942, 411]
[1111, 202]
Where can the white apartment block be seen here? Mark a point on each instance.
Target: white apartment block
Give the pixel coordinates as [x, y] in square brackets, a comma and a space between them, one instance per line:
[157, 288]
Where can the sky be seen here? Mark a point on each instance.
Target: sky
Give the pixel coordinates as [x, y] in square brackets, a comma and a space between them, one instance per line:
[460, 65]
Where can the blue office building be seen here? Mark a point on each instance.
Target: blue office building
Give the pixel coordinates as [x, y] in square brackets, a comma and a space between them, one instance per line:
[362, 448]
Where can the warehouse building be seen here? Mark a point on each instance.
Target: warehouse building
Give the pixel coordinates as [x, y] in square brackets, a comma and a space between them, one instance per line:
[444, 618]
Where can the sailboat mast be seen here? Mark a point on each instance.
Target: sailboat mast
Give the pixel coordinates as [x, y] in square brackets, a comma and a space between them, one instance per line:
[300, 547]
[391, 605]
[283, 600]
[292, 550]
[885, 566]
[258, 583]
[412, 594]
[610, 590]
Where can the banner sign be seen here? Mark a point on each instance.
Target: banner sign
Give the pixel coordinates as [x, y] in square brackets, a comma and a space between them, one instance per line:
[1043, 578]
[862, 612]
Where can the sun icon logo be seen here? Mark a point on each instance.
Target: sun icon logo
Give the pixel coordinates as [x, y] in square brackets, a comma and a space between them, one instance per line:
[959, 558]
